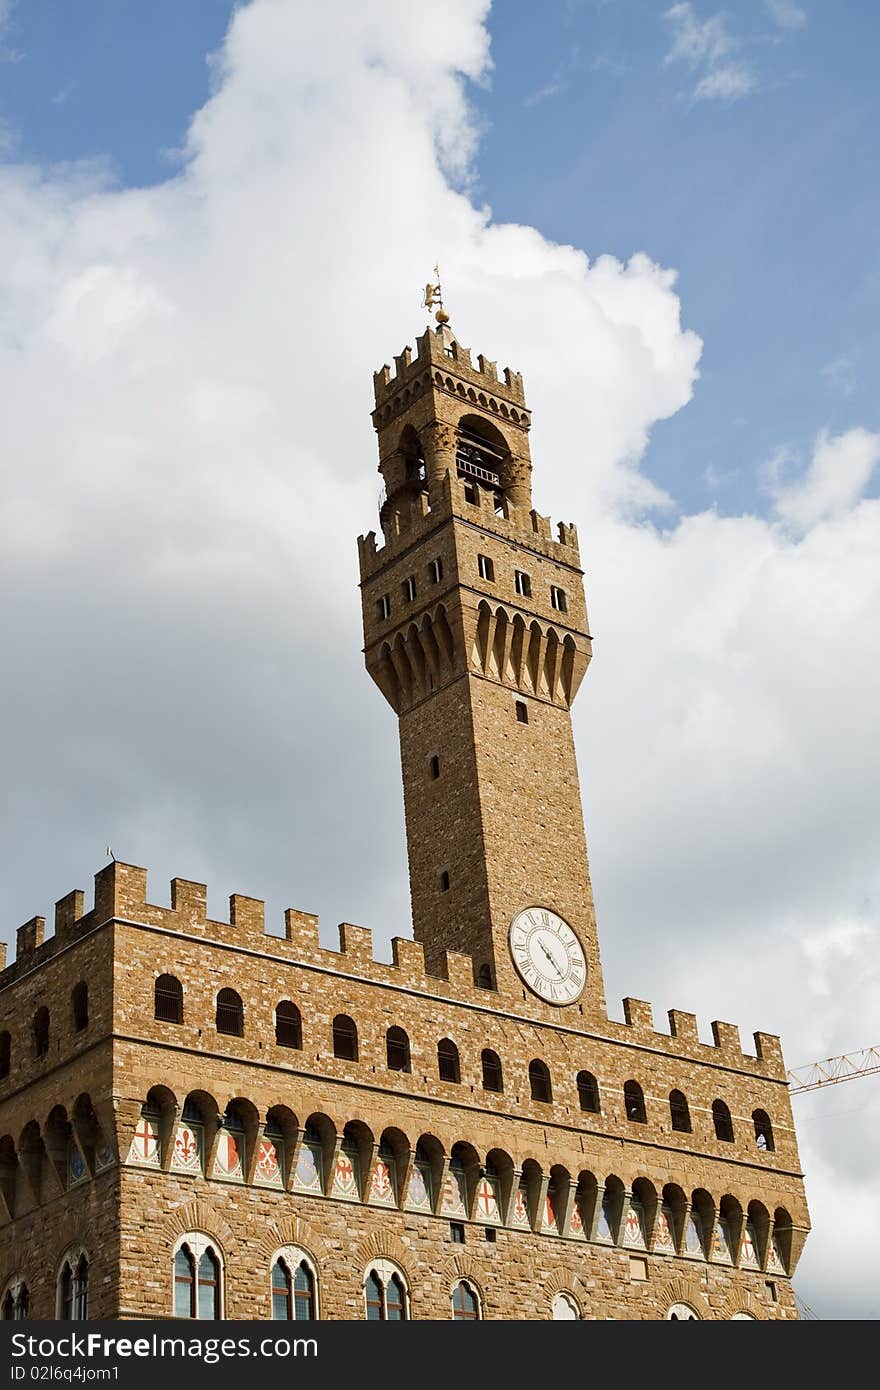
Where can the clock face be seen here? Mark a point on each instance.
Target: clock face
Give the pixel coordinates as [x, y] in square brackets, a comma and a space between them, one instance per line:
[548, 955]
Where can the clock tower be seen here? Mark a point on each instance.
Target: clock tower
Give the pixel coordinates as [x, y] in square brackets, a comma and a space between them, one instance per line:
[476, 632]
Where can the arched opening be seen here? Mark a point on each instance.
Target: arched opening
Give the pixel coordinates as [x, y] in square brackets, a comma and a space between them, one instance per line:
[397, 1050]
[465, 1302]
[288, 1025]
[197, 1278]
[41, 1032]
[482, 458]
[484, 977]
[634, 1103]
[540, 1086]
[493, 1077]
[73, 1288]
[722, 1121]
[294, 1287]
[679, 1112]
[79, 1006]
[168, 999]
[230, 1013]
[763, 1131]
[385, 1293]
[588, 1092]
[448, 1066]
[345, 1038]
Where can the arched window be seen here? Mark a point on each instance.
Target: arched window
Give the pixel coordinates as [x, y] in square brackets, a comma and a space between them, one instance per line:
[41, 1031]
[230, 1013]
[73, 1288]
[345, 1038]
[679, 1112]
[447, 1061]
[493, 1077]
[682, 1312]
[79, 1006]
[634, 1103]
[16, 1301]
[288, 1025]
[385, 1293]
[763, 1130]
[484, 977]
[397, 1050]
[465, 1303]
[293, 1287]
[539, 1082]
[722, 1121]
[197, 1278]
[588, 1093]
[564, 1308]
[168, 999]
[5, 1053]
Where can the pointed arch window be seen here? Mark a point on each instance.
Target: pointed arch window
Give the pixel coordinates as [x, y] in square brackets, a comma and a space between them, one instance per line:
[16, 1302]
[722, 1121]
[73, 1288]
[634, 1103]
[230, 1013]
[168, 999]
[679, 1112]
[465, 1303]
[197, 1278]
[763, 1131]
[79, 1006]
[588, 1092]
[288, 1025]
[397, 1050]
[539, 1082]
[385, 1293]
[293, 1288]
[448, 1065]
[345, 1038]
[493, 1077]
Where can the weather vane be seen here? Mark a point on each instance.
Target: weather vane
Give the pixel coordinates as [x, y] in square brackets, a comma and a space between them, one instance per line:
[434, 295]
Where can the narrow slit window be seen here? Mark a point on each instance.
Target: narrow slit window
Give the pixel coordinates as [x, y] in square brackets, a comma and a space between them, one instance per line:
[435, 570]
[409, 588]
[444, 881]
[435, 767]
[383, 607]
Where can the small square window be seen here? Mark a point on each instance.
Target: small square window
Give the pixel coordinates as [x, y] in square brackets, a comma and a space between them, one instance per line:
[522, 712]
[491, 1234]
[456, 1232]
[522, 583]
[470, 494]
[444, 881]
[409, 588]
[486, 568]
[638, 1268]
[435, 767]
[558, 599]
[383, 607]
[435, 570]
[771, 1289]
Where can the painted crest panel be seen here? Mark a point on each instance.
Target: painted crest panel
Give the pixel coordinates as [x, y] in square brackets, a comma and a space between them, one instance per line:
[664, 1241]
[77, 1168]
[229, 1157]
[307, 1176]
[693, 1236]
[104, 1155]
[269, 1167]
[520, 1214]
[144, 1148]
[454, 1201]
[722, 1243]
[186, 1156]
[748, 1257]
[418, 1194]
[775, 1261]
[634, 1226]
[383, 1184]
[550, 1222]
[346, 1175]
[603, 1226]
[488, 1202]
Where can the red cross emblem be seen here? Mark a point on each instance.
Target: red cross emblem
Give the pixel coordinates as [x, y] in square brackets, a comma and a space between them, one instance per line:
[486, 1201]
[147, 1138]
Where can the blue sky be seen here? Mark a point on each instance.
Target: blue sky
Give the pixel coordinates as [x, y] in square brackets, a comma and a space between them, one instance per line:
[763, 196]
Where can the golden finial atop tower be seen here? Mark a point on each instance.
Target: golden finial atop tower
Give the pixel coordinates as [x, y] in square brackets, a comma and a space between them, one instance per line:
[434, 295]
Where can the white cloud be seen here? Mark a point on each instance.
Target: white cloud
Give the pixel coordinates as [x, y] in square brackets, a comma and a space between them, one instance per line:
[708, 48]
[839, 472]
[188, 458]
[787, 14]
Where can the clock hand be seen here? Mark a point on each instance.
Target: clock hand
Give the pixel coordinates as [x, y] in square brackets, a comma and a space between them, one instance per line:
[550, 958]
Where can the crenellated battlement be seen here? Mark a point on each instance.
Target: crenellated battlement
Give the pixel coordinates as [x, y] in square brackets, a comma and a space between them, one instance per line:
[121, 896]
[439, 355]
[524, 525]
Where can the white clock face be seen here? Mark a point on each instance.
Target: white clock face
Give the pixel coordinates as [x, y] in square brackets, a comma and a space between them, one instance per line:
[548, 955]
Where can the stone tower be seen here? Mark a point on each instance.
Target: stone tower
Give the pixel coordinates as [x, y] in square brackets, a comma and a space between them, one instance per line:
[476, 632]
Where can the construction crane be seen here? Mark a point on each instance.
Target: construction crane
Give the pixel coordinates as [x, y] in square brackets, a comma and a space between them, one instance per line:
[834, 1069]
